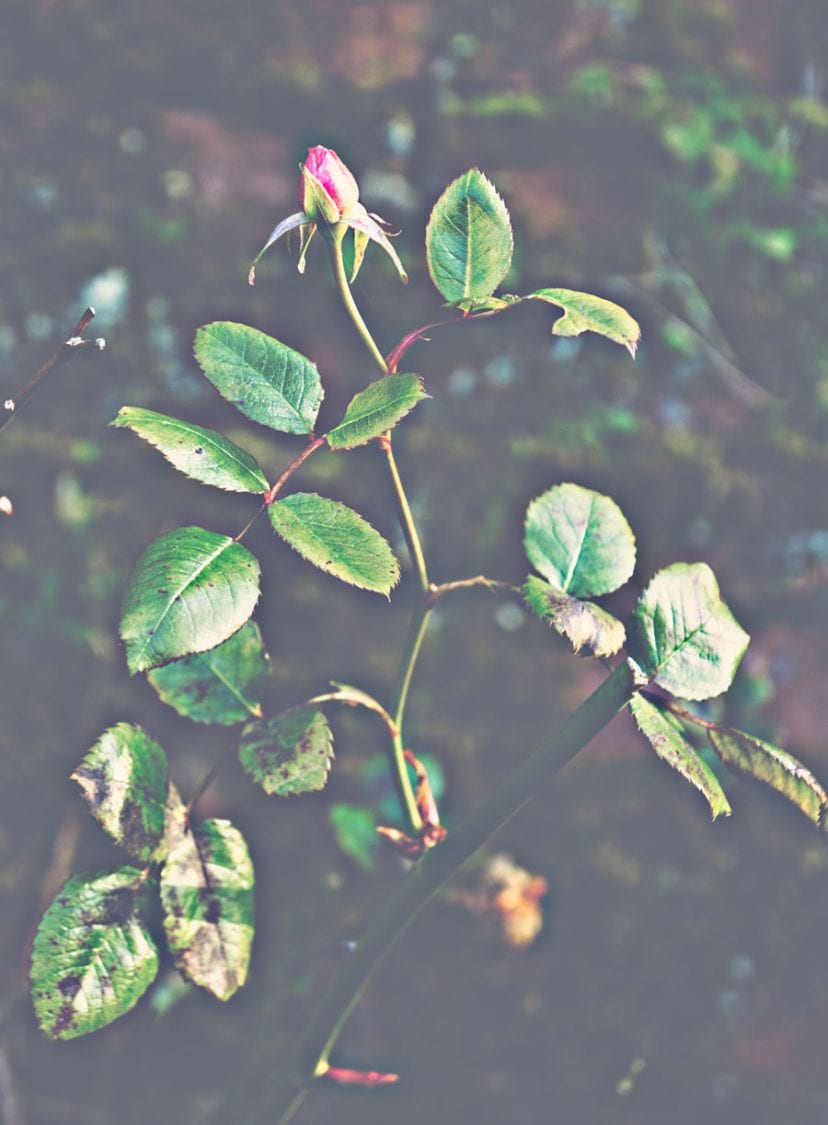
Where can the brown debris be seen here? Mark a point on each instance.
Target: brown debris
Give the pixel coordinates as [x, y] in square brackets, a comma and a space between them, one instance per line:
[508, 897]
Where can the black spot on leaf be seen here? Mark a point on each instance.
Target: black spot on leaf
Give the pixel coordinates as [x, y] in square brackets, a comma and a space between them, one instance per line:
[135, 836]
[117, 907]
[69, 985]
[92, 780]
[65, 1019]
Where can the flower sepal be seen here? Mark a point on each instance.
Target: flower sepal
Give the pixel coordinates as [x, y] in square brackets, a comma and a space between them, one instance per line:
[290, 223]
[329, 196]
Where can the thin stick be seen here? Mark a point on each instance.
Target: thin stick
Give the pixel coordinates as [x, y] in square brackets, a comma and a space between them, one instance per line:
[62, 354]
[436, 592]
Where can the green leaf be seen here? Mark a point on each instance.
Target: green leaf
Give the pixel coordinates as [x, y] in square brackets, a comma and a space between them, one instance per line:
[355, 831]
[207, 897]
[93, 957]
[683, 636]
[336, 539]
[774, 766]
[664, 734]
[469, 239]
[198, 453]
[376, 410]
[590, 629]
[584, 312]
[264, 379]
[190, 590]
[124, 781]
[289, 754]
[219, 686]
[579, 540]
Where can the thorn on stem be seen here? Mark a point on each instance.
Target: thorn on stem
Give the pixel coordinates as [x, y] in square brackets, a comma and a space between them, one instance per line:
[365, 1078]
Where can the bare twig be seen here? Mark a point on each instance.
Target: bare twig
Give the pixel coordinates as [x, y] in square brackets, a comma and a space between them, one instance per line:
[64, 352]
[435, 592]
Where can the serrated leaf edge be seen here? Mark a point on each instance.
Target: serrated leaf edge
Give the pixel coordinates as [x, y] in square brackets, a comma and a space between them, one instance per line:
[133, 659]
[347, 581]
[307, 427]
[205, 436]
[655, 741]
[346, 423]
[469, 257]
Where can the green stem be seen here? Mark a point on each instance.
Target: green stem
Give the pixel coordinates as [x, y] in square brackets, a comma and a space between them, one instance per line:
[410, 528]
[337, 233]
[295, 1104]
[416, 634]
[412, 538]
[439, 865]
[420, 617]
[414, 641]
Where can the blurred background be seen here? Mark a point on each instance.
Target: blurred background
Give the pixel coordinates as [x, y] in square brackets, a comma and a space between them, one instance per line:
[668, 155]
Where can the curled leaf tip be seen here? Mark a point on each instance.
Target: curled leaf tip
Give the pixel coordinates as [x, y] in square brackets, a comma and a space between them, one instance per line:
[251, 277]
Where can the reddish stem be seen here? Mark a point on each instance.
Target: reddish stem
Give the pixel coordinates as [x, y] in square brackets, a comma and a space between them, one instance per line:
[276, 488]
[393, 358]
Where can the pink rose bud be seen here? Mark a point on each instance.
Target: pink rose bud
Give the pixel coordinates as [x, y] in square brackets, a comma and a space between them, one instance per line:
[328, 188]
[328, 193]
